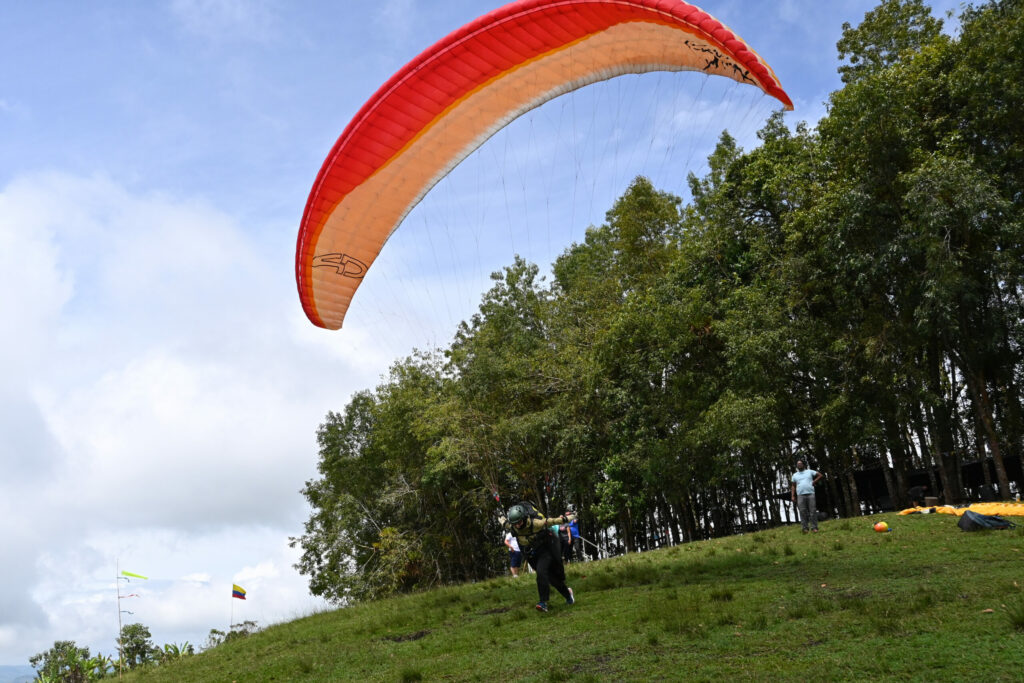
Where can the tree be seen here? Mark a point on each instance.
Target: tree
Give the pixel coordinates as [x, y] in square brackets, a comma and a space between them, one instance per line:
[67, 663]
[507, 386]
[886, 35]
[136, 645]
[218, 637]
[398, 505]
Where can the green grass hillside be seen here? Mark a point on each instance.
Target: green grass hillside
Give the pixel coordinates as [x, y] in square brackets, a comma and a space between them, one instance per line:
[924, 602]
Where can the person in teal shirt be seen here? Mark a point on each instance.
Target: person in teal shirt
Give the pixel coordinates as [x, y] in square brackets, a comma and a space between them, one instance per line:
[802, 489]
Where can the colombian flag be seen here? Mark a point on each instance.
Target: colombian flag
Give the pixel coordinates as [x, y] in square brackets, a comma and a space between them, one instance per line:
[237, 591]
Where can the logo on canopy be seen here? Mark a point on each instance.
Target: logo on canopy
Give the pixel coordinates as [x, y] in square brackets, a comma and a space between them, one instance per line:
[343, 264]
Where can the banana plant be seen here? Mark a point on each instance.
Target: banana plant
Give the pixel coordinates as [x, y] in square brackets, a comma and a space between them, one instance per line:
[173, 651]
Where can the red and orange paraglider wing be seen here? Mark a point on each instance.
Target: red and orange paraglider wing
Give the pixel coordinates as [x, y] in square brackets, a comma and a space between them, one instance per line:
[455, 95]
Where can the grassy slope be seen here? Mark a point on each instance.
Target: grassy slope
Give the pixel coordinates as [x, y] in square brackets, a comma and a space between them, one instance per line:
[847, 603]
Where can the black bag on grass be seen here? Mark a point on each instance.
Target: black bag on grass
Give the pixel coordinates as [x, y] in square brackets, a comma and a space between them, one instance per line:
[972, 521]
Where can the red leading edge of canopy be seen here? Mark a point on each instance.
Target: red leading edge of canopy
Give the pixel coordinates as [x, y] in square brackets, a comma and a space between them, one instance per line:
[460, 62]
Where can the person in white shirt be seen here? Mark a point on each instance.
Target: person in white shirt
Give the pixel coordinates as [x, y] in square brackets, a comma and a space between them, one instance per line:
[515, 555]
[802, 489]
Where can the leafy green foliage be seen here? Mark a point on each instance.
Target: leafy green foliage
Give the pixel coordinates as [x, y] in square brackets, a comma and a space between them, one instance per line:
[398, 506]
[218, 637]
[174, 651]
[67, 663]
[888, 33]
[136, 645]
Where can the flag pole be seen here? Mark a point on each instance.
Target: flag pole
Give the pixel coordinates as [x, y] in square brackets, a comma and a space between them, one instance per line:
[120, 628]
[122, 576]
[236, 592]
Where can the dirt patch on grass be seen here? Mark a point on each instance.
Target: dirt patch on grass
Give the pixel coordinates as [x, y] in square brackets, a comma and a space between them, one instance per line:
[407, 636]
[497, 610]
[597, 665]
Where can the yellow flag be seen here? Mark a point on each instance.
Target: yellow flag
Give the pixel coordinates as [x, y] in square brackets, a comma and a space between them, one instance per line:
[137, 576]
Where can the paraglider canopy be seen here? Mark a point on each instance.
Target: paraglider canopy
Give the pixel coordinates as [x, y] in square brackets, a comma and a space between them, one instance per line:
[456, 94]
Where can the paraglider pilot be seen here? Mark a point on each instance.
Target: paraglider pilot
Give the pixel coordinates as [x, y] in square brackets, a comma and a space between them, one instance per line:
[542, 549]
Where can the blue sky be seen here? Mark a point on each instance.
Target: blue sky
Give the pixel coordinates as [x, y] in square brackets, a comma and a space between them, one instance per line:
[162, 388]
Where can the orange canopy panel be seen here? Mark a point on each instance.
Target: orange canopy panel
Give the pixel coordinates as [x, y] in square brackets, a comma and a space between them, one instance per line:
[458, 93]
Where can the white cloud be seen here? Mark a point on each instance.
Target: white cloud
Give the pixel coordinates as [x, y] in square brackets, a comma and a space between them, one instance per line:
[162, 404]
[227, 20]
[80, 595]
[180, 444]
[36, 287]
[397, 19]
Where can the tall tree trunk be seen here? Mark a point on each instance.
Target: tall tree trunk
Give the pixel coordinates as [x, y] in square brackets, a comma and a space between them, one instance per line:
[771, 502]
[928, 454]
[939, 416]
[899, 460]
[890, 486]
[963, 438]
[983, 409]
[851, 483]
[835, 497]
[626, 532]
[1014, 424]
[668, 520]
[692, 525]
[844, 487]
[982, 456]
